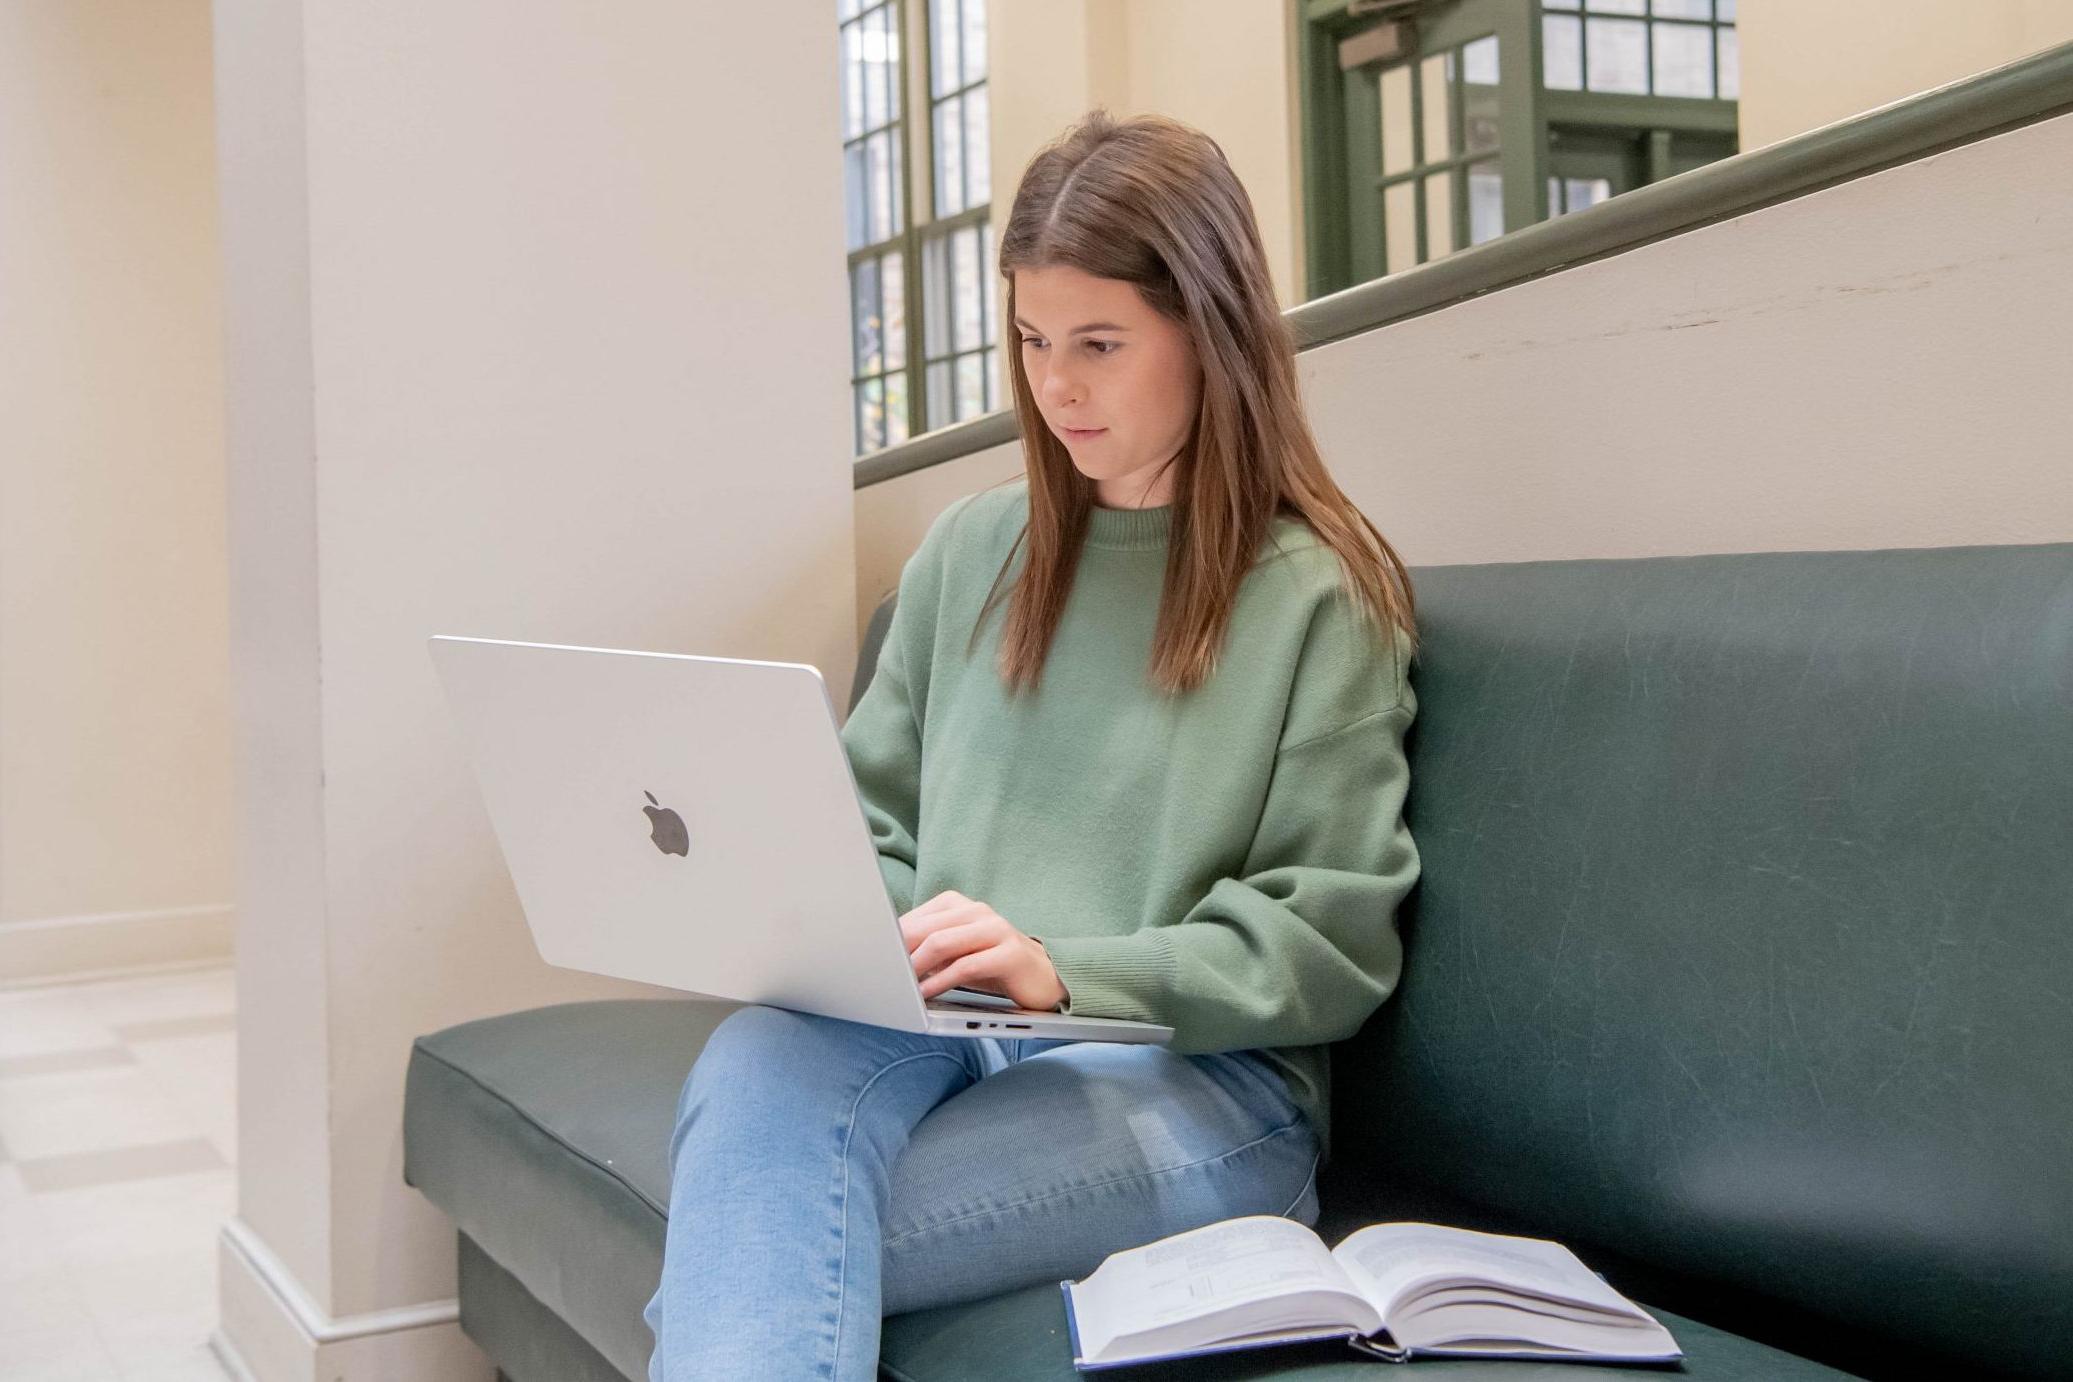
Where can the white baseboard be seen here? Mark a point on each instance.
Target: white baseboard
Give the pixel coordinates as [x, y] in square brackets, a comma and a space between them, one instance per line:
[271, 1330]
[104, 945]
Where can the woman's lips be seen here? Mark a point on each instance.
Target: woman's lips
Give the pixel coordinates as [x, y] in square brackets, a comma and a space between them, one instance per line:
[1083, 433]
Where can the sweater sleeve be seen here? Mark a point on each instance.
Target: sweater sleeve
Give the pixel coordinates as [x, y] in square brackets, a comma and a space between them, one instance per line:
[882, 736]
[1302, 947]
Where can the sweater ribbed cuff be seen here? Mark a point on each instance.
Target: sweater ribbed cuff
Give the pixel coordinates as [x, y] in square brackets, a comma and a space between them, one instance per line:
[1115, 976]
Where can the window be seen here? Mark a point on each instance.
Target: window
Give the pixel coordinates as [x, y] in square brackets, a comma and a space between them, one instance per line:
[924, 200]
[1641, 47]
[1432, 129]
[1441, 182]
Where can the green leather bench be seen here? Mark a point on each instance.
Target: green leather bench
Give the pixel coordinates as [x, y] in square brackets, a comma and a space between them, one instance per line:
[1742, 962]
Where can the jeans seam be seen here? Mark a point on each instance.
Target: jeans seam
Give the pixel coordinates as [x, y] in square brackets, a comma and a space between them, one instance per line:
[1097, 1185]
[1308, 1181]
[849, 1136]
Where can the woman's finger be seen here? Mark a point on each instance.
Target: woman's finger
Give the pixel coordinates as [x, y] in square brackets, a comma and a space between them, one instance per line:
[918, 925]
[949, 942]
[979, 964]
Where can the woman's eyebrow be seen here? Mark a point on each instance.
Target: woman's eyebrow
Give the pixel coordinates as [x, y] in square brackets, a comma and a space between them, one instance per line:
[1079, 330]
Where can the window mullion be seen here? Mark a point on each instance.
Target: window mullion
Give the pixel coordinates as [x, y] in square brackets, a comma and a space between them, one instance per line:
[918, 152]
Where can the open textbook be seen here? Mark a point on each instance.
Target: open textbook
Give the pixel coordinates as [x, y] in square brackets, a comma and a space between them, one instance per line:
[1395, 1291]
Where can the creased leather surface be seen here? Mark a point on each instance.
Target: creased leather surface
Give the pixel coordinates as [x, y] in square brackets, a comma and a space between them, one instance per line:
[1745, 936]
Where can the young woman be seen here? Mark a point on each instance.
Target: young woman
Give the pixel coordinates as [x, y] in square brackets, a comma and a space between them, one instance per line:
[1165, 783]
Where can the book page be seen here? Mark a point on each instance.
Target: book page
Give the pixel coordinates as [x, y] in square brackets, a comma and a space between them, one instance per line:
[1471, 1324]
[1207, 1270]
[1391, 1262]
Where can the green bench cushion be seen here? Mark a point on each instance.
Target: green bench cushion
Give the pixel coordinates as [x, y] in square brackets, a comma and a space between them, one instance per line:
[544, 1135]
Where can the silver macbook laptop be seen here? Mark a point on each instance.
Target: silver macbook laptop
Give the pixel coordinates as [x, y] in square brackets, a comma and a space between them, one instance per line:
[693, 822]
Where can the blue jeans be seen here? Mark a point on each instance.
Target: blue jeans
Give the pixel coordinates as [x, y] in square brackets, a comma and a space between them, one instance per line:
[824, 1173]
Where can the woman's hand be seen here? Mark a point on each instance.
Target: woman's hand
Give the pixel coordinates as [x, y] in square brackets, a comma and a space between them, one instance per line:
[955, 942]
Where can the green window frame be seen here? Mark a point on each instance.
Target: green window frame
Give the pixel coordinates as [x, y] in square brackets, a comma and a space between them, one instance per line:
[1380, 77]
[902, 384]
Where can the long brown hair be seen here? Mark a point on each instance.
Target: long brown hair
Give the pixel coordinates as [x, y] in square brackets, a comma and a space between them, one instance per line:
[1153, 202]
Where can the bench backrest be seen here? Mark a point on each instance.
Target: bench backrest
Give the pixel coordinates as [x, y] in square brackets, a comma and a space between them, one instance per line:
[1742, 953]
[1744, 942]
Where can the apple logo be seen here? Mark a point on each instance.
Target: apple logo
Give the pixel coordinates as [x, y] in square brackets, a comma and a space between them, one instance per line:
[668, 831]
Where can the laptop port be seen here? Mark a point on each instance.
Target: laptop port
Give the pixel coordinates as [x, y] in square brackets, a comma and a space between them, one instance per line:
[971, 1026]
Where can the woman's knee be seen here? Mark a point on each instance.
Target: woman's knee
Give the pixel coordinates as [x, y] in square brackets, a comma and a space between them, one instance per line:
[751, 1042]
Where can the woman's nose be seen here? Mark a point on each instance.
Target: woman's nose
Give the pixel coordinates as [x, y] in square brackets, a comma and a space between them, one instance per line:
[1061, 386]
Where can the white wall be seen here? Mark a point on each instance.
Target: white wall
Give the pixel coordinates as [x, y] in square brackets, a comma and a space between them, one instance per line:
[1878, 364]
[115, 820]
[521, 330]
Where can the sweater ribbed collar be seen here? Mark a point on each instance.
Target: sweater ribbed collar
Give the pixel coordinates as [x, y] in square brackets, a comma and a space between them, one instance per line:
[1129, 529]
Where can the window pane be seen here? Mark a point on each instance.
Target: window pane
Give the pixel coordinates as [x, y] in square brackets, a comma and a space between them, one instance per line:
[935, 300]
[989, 283]
[852, 81]
[1485, 202]
[945, 41]
[895, 310]
[1684, 9]
[878, 59]
[1683, 60]
[1730, 50]
[846, 9]
[856, 210]
[971, 385]
[1396, 119]
[879, 147]
[1618, 50]
[897, 139]
[964, 256]
[1562, 53]
[1479, 61]
[1439, 214]
[939, 396]
[1724, 11]
[977, 165]
[867, 323]
[1437, 74]
[1618, 6]
[975, 41]
[950, 161]
[993, 381]
[1555, 207]
[1558, 4]
[1583, 192]
[1400, 224]
[895, 408]
[1479, 96]
[874, 414]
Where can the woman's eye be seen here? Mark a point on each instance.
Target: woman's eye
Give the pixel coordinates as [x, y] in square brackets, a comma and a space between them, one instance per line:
[1106, 347]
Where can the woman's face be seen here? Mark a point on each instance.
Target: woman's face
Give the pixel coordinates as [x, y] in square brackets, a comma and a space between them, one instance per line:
[1098, 358]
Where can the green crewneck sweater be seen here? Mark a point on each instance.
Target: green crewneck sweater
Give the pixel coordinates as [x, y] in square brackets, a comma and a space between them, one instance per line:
[1228, 862]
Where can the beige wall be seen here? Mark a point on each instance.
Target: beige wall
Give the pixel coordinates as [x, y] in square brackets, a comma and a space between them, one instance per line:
[115, 826]
[1807, 63]
[515, 350]
[1878, 364]
[1225, 66]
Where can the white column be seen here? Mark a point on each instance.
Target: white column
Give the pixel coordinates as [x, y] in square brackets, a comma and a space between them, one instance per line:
[536, 328]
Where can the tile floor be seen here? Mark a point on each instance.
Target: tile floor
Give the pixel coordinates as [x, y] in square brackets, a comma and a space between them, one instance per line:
[118, 1126]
